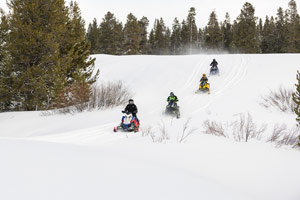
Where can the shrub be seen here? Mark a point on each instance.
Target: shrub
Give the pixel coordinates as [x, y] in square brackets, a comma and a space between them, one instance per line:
[214, 128]
[82, 97]
[244, 129]
[281, 100]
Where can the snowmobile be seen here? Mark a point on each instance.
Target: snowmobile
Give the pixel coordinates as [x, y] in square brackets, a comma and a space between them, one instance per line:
[129, 123]
[214, 70]
[172, 109]
[204, 87]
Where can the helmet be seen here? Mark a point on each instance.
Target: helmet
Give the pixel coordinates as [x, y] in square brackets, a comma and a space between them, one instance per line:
[214, 59]
[204, 75]
[130, 100]
[171, 94]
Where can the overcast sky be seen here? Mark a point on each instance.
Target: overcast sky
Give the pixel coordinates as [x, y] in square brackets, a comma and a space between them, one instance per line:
[169, 9]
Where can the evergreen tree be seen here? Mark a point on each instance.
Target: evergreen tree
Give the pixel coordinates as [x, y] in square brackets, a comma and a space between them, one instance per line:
[175, 37]
[151, 42]
[296, 98]
[144, 23]
[280, 31]
[260, 26]
[132, 35]
[227, 33]
[76, 44]
[49, 51]
[245, 36]
[200, 39]
[111, 35]
[93, 34]
[260, 32]
[5, 69]
[160, 43]
[192, 29]
[268, 36]
[168, 41]
[292, 22]
[184, 37]
[212, 33]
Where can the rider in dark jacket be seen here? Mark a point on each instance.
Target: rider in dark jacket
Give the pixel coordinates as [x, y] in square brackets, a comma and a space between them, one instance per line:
[214, 65]
[131, 107]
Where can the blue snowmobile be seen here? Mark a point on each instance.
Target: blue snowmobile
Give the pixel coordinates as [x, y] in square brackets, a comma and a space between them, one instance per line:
[128, 123]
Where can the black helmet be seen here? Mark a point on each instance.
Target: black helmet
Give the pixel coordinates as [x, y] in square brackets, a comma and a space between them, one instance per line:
[171, 94]
[130, 100]
[214, 59]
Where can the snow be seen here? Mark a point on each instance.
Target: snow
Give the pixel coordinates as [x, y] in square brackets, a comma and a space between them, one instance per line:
[79, 157]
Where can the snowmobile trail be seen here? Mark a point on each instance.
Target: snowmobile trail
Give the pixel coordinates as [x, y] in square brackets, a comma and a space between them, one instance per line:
[97, 134]
[230, 77]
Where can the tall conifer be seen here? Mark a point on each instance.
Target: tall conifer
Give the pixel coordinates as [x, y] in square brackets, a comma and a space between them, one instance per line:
[212, 33]
[111, 37]
[245, 35]
[132, 35]
[93, 34]
[49, 51]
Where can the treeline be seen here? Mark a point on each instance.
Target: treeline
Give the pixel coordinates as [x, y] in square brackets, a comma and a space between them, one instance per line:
[44, 56]
[246, 34]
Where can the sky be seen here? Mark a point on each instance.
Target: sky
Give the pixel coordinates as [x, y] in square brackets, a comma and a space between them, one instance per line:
[169, 9]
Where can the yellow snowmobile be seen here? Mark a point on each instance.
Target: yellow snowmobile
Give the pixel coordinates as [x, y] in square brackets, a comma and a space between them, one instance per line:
[204, 87]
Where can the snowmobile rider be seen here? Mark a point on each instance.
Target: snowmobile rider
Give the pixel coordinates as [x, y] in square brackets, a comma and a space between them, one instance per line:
[131, 108]
[214, 65]
[172, 99]
[204, 79]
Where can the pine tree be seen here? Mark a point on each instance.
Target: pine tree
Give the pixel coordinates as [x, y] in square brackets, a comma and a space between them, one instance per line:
[192, 29]
[296, 98]
[175, 37]
[200, 39]
[110, 35]
[93, 34]
[292, 22]
[280, 31]
[5, 69]
[151, 42]
[82, 65]
[49, 51]
[160, 42]
[168, 41]
[184, 37]
[268, 35]
[226, 30]
[132, 35]
[144, 46]
[245, 36]
[212, 33]
[260, 33]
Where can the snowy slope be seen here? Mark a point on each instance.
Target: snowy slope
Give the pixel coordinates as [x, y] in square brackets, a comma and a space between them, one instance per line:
[78, 157]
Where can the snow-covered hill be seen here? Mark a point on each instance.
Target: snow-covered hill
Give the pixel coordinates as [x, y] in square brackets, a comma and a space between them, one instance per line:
[79, 157]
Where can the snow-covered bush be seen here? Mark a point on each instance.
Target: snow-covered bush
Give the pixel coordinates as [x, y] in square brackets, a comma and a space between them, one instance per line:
[244, 128]
[162, 134]
[80, 98]
[283, 136]
[186, 131]
[282, 100]
[214, 128]
[109, 95]
[240, 130]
